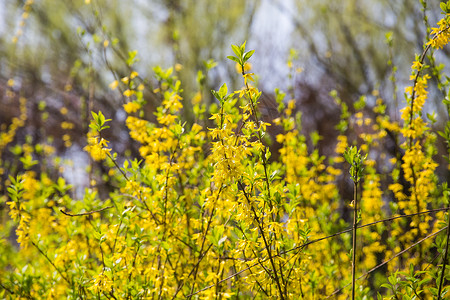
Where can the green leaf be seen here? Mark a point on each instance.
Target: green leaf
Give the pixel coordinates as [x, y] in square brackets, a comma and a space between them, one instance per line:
[242, 47]
[28, 161]
[216, 94]
[16, 150]
[209, 64]
[361, 103]
[248, 55]
[132, 57]
[93, 126]
[234, 59]
[268, 155]
[432, 117]
[97, 235]
[94, 116]
[237, 51]
[223, 90]
[200, 77]
[315, 138]
[101, 118]
[179, 128]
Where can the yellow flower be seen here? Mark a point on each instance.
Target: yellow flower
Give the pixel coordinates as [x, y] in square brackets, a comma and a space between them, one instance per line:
[128, 93]
[417, 65]
[101, 284]
[134, 74]
[342, 144]
[167, 119]
[247, 67]
[197, 98]
[196, 128]
[97, 147]
[178, 67]
[113, 85]
[67, 125]
[131, 107]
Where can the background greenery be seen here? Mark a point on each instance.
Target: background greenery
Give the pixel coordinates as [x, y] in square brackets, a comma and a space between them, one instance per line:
[338, 46]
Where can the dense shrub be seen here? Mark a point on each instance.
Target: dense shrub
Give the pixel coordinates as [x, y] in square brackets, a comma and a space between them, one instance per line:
[205, 210]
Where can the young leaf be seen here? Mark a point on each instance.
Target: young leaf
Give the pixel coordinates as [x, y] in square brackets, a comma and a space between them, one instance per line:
[223, 90]
[242, 47]
[248, 55]
[216, 94]
[234, 59]
[237, 51]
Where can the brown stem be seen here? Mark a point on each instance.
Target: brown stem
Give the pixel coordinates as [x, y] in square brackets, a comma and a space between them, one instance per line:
[355, 222]
[51, 262]
[86, 213]
[445, 259]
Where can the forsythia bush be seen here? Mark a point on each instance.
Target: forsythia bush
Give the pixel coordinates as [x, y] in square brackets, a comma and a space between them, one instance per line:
[208, 212]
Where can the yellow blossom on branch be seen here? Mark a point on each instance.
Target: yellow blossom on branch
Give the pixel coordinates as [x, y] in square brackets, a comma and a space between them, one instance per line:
[131, 107]
[97, 148]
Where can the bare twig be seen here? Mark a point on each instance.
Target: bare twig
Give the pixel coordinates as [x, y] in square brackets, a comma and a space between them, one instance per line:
[355, 227]
[51, 262]
[85, 213]
[6, 289]
[445, 260]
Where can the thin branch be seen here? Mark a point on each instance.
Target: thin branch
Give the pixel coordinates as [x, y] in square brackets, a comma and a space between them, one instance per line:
[117, 166]
[406, 216]
[86, 213]
[445, 260]
[6, 289]
[355, 227]
[50, 261]
[387, 261]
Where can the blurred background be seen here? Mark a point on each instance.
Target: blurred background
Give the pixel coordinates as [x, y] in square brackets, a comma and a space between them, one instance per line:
[61, 56]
